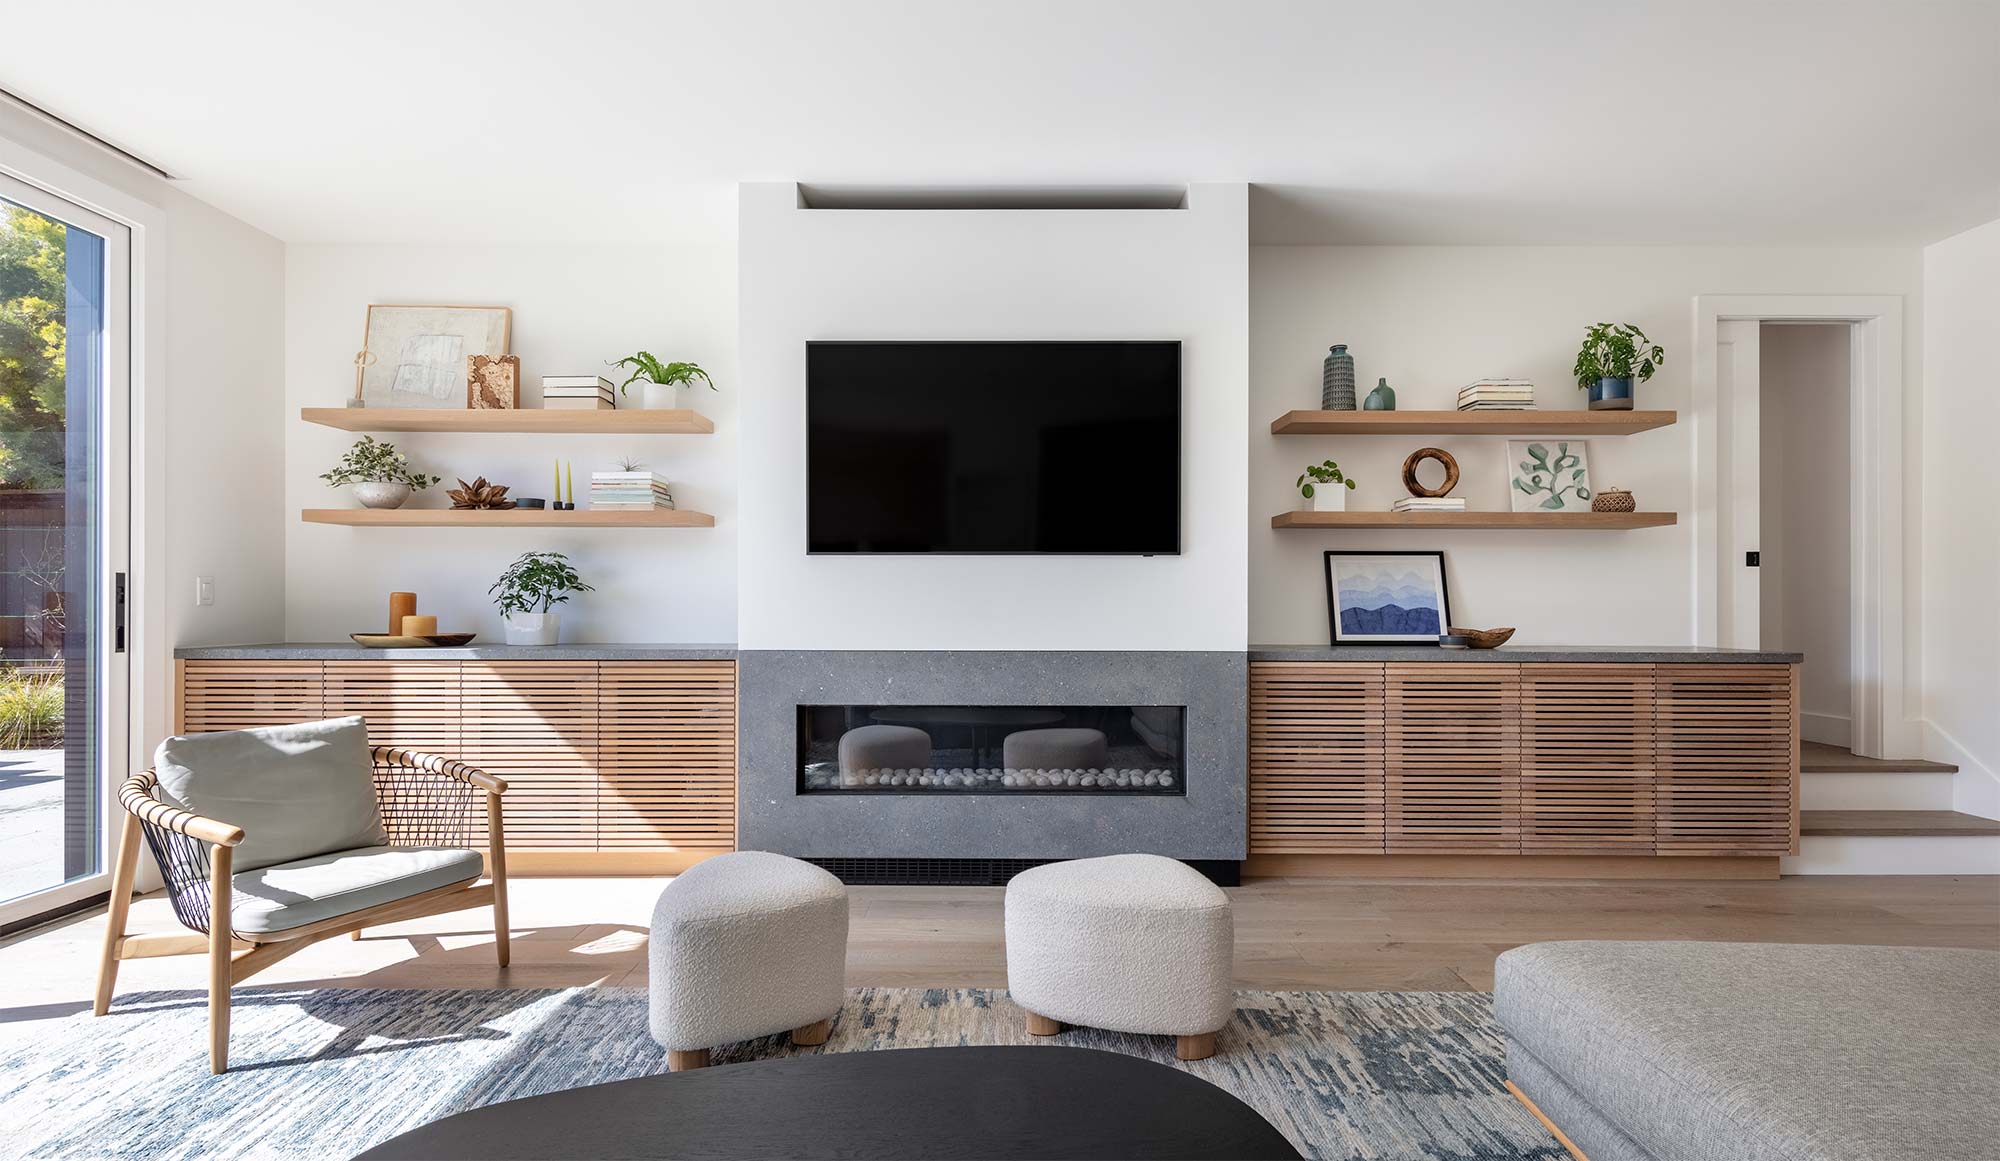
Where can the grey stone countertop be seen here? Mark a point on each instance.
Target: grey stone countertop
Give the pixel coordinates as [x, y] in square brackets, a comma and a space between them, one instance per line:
[477, 651]
[1574, 654]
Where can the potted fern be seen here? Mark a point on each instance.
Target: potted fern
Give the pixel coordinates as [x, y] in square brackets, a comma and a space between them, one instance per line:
[1613, 355]
[528, 592]
[662, 381]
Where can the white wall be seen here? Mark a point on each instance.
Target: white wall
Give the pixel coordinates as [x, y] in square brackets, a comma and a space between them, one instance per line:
[575, 306]
[1432, 319]
[1023, 274]
[1803, 397]
[1961, 523]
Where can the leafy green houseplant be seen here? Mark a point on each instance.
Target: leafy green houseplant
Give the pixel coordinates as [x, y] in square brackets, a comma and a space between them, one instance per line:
[381, 475]
[663, 380]
[1325, 486]
[1612, 356]
[528, 593]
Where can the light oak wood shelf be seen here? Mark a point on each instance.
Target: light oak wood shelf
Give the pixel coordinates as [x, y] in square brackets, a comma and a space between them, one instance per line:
[1600, 521]
[1570, 423]
[515, 420]
[508, 518]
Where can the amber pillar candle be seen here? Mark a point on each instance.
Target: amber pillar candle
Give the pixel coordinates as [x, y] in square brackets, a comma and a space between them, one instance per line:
[420, 626]
[400, 605]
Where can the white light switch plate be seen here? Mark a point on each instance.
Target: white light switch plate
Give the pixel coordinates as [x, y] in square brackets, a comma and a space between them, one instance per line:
[204, 590]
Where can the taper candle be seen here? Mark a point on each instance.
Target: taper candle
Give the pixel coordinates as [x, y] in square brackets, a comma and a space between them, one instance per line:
[569, 479]
[555, 497]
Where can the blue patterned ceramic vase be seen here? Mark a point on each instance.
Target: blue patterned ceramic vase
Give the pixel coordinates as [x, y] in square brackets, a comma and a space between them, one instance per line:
[1336, 380]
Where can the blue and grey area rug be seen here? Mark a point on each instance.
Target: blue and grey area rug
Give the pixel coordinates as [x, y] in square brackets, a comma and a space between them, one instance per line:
[327, 1073]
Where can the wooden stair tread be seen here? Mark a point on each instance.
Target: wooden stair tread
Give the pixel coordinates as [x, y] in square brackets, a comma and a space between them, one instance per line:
[1820, 758]
[1894, 823]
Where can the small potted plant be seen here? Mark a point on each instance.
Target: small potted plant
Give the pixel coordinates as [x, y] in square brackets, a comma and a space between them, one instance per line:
[1324, 487]
[662, 381]
[528, 592]
[1612, 356]
[380, 474]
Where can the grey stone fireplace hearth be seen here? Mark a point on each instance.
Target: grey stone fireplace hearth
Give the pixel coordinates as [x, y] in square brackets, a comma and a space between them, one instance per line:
[778, 810]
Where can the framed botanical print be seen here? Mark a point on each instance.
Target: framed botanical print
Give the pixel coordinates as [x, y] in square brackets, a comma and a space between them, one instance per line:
[1386, 598]
[421, 352]
[1548, 475]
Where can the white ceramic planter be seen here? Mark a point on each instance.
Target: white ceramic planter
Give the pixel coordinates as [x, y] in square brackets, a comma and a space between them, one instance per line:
[658, 398]
[374, 494]
[532, 628]
[1329, 498]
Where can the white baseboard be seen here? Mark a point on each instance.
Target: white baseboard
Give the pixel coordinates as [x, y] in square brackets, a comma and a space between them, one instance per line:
[1975, 789]
[1854, 855]
[1827, 729]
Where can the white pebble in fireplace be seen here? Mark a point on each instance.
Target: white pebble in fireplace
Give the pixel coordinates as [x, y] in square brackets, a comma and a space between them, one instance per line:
[827, 776]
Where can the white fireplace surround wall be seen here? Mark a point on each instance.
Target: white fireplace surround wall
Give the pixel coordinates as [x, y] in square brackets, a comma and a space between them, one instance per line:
[809, 274]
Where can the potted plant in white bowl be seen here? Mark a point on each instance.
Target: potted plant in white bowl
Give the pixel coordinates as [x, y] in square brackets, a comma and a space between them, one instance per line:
[663, 381]
[380, 474]
[528, 592]
[1324, 487]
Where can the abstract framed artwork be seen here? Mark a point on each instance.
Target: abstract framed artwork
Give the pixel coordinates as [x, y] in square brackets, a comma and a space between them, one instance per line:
[1548, 475]
[1386, 598]
[421, 352]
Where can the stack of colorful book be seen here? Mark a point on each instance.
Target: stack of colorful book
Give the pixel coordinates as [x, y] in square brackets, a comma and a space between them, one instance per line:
[629, 491]
[578, 393]
[1428, 504]
[1497, 395]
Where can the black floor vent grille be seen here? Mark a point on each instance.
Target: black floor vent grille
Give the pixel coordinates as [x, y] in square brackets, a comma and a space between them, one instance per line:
[975, 872]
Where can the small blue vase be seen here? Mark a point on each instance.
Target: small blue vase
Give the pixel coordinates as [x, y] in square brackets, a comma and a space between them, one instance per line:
[1383, 398]
[1611, 393]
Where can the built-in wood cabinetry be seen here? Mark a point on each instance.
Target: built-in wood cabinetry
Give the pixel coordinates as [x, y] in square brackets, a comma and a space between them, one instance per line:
[610, 765]
[1440, 758]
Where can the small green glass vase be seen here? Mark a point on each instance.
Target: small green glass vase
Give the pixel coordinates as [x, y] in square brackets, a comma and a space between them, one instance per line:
[1383, 398]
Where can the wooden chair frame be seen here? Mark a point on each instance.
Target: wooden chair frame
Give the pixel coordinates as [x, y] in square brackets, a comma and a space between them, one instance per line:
[415, 812]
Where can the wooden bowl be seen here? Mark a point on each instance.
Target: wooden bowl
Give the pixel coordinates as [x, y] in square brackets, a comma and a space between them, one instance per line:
[399, 641]
[1483, 638]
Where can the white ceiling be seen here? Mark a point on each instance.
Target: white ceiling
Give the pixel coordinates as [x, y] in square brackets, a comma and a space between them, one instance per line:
[1468, 122]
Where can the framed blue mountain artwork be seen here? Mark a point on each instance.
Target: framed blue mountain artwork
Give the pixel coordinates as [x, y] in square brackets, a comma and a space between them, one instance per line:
[1386, 598]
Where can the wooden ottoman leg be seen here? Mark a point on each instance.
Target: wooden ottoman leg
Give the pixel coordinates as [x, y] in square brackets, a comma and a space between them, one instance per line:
[814, 1033]
[1043, 1026]
[683, 1061]
[1199, 1047]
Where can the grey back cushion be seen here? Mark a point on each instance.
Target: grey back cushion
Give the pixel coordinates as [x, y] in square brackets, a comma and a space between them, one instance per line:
[297, 791]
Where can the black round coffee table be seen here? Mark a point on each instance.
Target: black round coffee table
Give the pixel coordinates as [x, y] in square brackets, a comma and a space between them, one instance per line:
[999, 1102]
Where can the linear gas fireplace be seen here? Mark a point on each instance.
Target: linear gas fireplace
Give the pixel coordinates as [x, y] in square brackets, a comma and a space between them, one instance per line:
[991, 749]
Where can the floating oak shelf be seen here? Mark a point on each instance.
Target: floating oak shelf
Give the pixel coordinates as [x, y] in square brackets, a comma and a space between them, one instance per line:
[523, 419]
[509, 518]
[1570, 520]
[1572, 423]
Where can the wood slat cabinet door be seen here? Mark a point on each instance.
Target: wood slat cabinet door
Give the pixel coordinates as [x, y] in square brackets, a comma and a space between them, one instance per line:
[418, 705]
[1452, 763]
[1726, 749]
[666, 755]
[1587, 783]
[534, 724]
[240, 695]
[1315, 758]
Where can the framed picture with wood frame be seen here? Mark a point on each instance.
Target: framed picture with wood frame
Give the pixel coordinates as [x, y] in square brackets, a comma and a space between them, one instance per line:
[420, 353]
[1386, 598]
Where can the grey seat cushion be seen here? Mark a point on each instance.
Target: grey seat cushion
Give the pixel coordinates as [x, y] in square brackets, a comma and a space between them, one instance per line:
[1768, 1051]
[289, 895]
[296, 791]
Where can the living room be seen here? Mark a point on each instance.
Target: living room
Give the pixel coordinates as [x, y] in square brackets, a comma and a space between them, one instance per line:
[1150, 581]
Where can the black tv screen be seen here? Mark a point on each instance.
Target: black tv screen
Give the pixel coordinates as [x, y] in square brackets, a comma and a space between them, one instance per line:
[993, 447]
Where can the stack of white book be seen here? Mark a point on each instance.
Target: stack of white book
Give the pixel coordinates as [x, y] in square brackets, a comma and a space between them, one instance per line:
[629, 491]
[1429, 504]
[578, 393]
[1497, 395]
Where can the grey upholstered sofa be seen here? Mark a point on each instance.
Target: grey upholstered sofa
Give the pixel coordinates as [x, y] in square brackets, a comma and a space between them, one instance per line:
[1676, 1051]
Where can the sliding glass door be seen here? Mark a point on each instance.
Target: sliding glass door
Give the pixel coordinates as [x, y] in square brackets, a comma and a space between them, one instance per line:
[64, 379]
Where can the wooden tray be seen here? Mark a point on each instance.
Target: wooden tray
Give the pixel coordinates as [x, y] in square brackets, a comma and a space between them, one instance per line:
[398, 641]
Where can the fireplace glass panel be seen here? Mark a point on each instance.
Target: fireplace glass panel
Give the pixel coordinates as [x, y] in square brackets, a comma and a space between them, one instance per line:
[958, 749]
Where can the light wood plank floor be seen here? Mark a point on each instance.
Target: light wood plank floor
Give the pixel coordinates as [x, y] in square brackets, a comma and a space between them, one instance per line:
[1290, 934]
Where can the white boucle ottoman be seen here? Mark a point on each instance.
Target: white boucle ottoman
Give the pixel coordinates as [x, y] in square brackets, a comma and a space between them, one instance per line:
[744, 945]
[1129, 943]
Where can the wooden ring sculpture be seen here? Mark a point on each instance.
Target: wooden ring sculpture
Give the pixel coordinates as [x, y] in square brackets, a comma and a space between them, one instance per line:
[1430, 453]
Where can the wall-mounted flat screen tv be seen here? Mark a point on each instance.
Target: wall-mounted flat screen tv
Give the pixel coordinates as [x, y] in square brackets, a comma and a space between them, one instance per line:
[993, 447]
